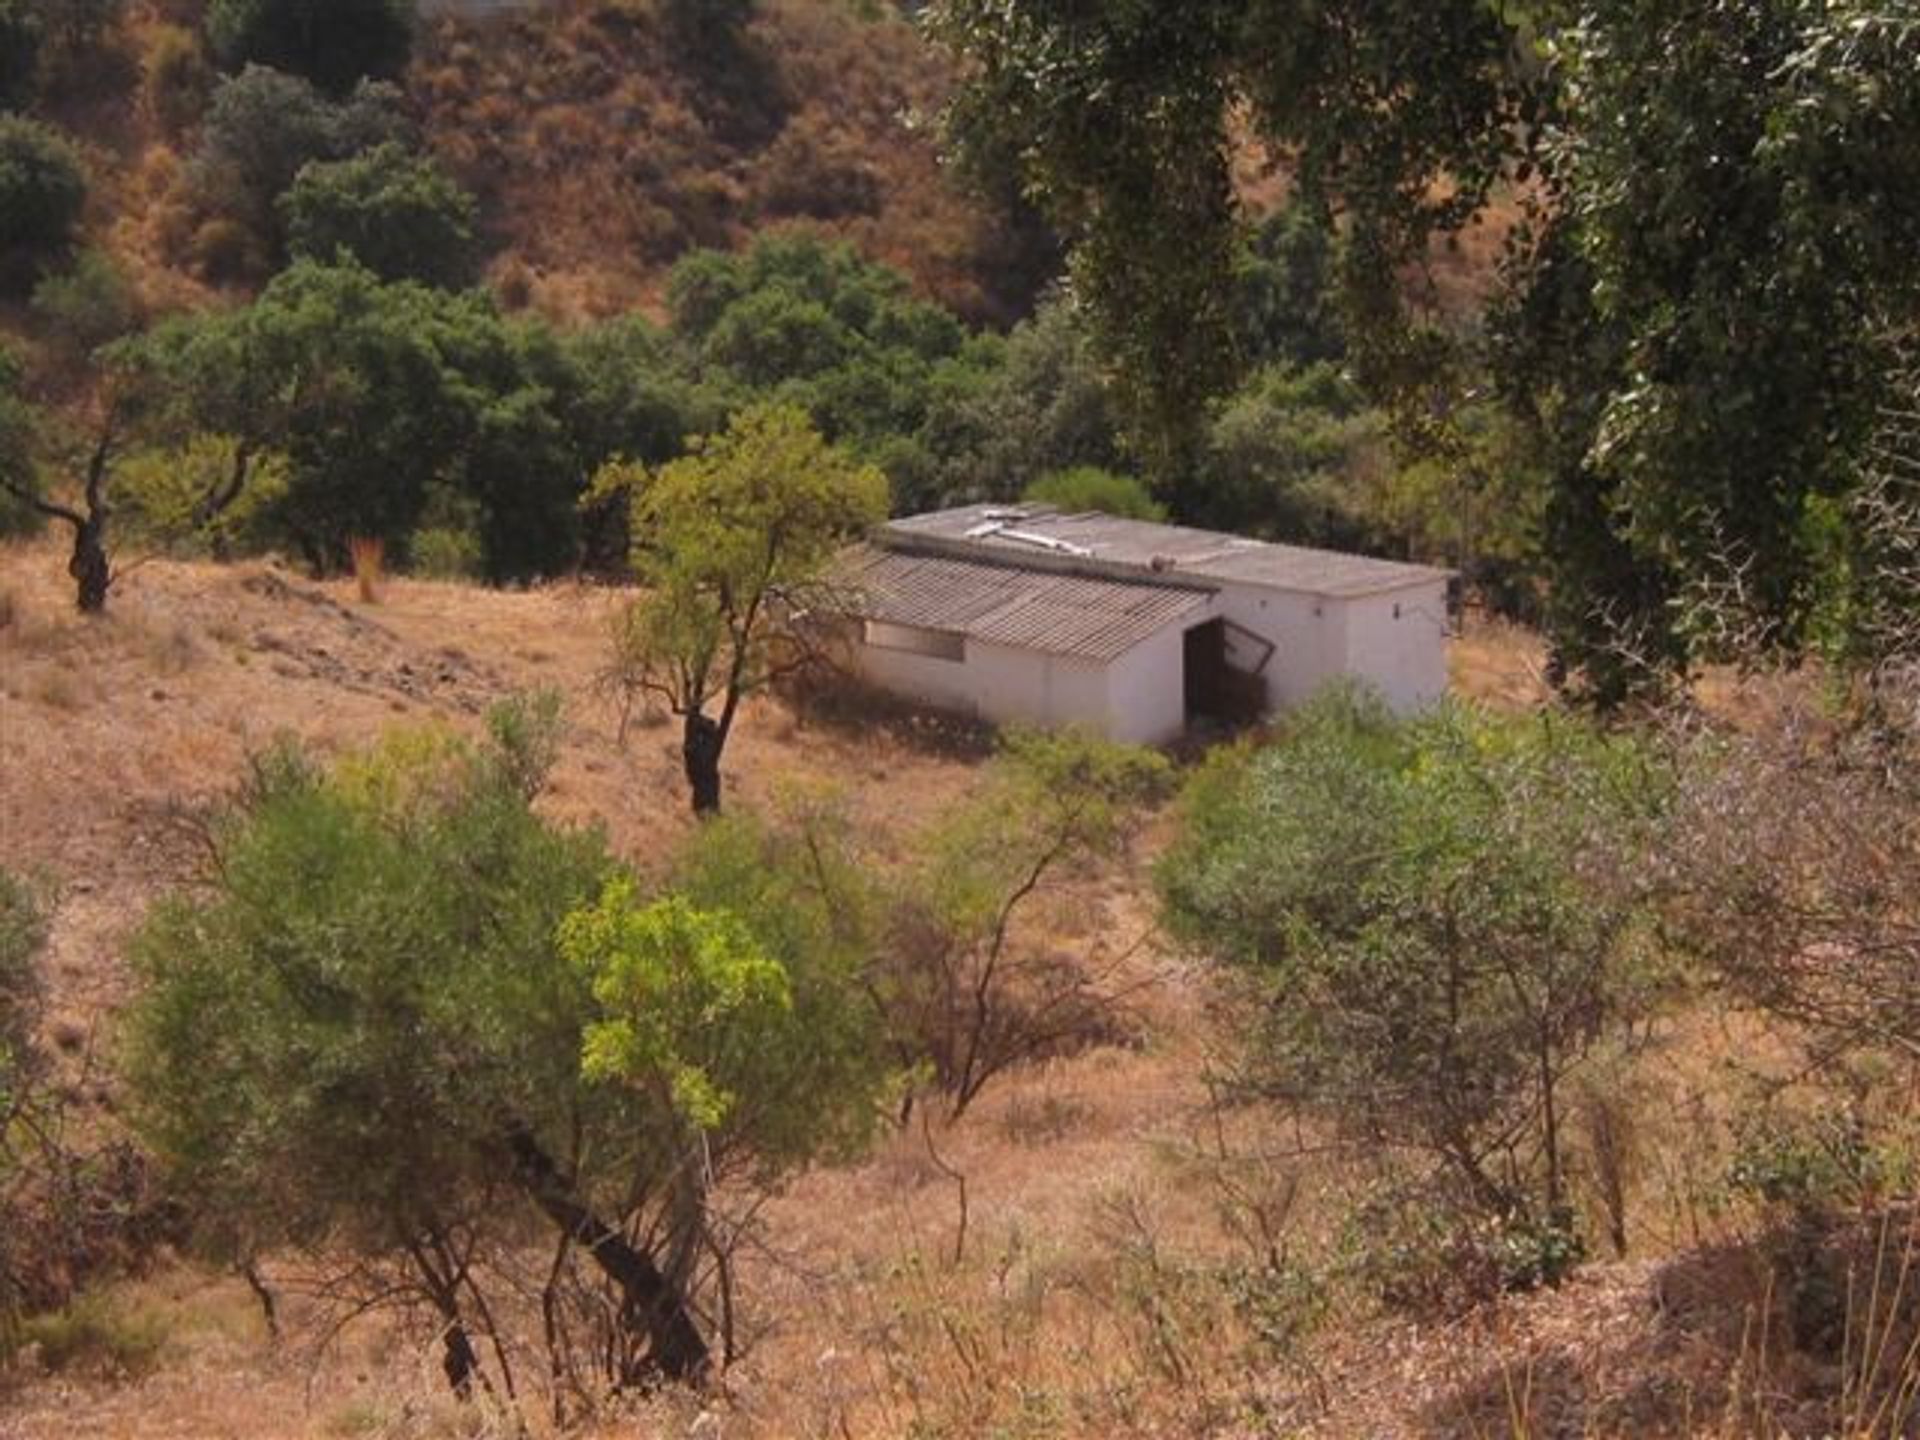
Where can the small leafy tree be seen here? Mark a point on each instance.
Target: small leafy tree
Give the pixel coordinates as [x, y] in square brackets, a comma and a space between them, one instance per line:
[42, 190]
[333, 43]
[970, 992]
[1439, 918]
[412, 1027]
[726, 541]
[397, 213]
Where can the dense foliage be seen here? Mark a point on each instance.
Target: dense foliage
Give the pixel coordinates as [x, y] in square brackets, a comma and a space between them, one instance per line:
[42, 190]
[334, 43]
[384, 399]
[1087, 487]
[262, 127]
[394, 212]
[1695, 345]
[1748, 333]
[19, 425]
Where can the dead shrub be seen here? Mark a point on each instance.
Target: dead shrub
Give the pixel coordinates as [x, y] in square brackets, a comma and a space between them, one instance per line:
[369, 557]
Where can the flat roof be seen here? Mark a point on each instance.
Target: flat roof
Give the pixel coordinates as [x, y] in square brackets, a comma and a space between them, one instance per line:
[1045, 535]
[1054, 612]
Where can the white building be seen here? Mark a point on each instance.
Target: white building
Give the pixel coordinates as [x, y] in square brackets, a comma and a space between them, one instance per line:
[1134, 630]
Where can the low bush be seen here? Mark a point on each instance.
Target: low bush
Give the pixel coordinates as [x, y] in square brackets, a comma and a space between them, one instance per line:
[95, 1333]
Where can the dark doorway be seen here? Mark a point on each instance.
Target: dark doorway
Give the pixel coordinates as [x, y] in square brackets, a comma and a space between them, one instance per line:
[1207, 684]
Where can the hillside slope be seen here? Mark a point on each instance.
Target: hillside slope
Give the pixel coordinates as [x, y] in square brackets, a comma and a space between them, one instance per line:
[1100, 1189]
[604, 145]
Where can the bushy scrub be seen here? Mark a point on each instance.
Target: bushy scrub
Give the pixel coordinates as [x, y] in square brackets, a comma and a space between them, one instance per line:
[410, 1018]
[19, 426]
[1438, 920]
[161, 498]
[87, 305]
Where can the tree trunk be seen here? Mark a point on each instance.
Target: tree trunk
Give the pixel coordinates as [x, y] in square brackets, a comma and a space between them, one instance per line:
[674, 1341]
[700, 755]
[458, 1359]
[92, 575]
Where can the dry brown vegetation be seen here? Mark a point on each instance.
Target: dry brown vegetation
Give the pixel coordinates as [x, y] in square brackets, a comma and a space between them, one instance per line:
[1099, 1248]
[605, 147]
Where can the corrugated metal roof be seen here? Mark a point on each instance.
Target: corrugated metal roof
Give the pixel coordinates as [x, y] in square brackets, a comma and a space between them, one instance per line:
[1059, 614]
[1047, 537]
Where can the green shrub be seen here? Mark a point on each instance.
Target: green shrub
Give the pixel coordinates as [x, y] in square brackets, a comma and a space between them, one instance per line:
[1438, 920]
[23, 930]
[88, 305]
[444, 552]
[397, 213]
[42, 191]
[1087, 487]
[333, 43]
[160, 494]
[262, 128]
[412, 1013]
[19, 428]
[96, 1333]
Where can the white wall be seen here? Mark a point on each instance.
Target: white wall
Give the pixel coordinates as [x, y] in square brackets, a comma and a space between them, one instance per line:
[1397, 643]
[1307, 631]
[1147, 690]
[996, 683]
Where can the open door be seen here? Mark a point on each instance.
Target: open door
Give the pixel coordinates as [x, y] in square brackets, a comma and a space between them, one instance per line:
[1206, 671]
[1219, 690]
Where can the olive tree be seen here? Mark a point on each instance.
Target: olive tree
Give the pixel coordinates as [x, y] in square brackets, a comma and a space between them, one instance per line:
[726, 540]
[416, 1031]
[86, 514]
